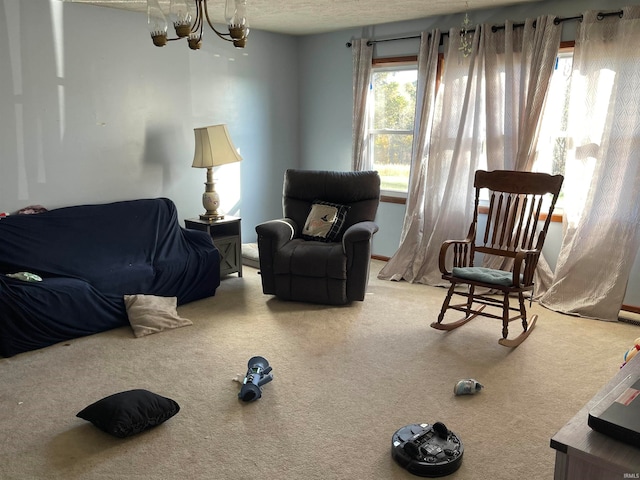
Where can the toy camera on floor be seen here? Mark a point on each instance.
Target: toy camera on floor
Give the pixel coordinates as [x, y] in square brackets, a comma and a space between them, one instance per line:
[258, 374]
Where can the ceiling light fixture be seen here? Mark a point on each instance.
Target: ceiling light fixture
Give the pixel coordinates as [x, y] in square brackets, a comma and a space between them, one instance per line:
[466, 35]
[189, 17]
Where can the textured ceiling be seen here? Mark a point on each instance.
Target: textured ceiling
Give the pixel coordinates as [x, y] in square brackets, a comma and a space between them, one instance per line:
[302, 17]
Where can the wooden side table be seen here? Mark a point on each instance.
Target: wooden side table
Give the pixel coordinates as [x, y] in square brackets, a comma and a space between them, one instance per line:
[227, 237]
[584, 453]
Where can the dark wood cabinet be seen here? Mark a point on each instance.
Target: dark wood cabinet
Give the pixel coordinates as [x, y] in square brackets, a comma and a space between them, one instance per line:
[227, 237]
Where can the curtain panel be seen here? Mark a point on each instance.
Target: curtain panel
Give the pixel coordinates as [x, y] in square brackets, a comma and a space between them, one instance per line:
[447, 147]
[519, 63]
[602, 183]
[485, 114]
[362, 65]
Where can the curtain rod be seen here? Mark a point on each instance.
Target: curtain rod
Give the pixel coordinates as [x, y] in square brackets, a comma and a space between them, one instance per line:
[495, 28]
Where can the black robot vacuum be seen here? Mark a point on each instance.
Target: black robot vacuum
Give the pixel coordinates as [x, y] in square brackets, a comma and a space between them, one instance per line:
[427, 450]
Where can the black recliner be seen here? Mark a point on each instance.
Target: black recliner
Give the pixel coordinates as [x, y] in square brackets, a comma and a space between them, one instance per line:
[331, 271]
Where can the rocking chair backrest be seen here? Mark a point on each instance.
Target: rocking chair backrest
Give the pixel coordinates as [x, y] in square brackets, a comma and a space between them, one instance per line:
[517, 202]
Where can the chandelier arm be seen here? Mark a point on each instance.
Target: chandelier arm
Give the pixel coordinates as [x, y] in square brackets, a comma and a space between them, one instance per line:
[197, 22]
[172, 39]
[220, 34]
[199, 27]
[223, 36]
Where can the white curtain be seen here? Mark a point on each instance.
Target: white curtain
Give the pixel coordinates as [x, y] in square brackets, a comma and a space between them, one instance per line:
[519, 63]
[602, 182]
[362, 53]
[447, 148]
[486, 115]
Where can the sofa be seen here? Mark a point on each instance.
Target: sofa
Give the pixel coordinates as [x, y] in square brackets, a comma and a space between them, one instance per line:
[83, 260]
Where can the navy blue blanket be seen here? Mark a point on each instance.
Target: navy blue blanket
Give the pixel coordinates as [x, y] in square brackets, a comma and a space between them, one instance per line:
[89, 257]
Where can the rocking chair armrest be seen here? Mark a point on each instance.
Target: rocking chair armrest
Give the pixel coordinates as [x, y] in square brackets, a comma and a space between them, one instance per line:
[461, 254]
[530, 260]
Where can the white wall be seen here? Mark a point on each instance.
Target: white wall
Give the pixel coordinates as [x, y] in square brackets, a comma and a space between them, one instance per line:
[91, 111]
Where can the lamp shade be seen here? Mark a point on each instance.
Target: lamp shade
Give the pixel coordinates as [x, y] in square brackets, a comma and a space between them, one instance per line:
[214, 147]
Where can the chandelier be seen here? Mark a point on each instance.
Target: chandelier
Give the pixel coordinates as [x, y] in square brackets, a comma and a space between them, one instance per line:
[189, 17]
[466, 36]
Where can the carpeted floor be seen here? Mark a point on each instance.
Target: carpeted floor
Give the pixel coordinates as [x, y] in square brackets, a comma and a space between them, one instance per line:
[345, 379]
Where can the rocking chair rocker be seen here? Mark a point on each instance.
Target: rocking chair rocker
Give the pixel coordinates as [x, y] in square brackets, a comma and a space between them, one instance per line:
[520, 209]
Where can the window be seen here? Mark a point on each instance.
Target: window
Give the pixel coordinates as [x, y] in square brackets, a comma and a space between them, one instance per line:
[392, 111]
[552, 141]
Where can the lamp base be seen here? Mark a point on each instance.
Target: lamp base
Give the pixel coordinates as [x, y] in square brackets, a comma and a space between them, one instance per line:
[211, 217]
[210, 200]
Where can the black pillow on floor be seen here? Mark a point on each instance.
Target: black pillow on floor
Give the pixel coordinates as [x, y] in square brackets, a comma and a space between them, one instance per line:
[127, 413]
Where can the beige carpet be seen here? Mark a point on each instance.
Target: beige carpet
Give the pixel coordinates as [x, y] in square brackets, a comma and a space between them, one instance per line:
[345, 380]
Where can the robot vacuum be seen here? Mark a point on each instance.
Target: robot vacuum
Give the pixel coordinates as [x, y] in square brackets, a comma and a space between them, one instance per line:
[427, 450]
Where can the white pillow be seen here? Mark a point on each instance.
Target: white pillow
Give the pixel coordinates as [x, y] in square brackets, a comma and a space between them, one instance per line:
[325, 221]
[152, 314]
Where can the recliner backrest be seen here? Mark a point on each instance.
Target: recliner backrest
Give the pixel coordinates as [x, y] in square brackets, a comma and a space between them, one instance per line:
[359, 190]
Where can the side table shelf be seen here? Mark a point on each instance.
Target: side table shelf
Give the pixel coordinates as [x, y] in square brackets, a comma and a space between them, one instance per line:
[227, 237]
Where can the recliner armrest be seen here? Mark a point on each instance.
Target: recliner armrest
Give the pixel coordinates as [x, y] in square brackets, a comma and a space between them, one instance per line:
[272, 236]
[358, 232]
[356, 244]
[279, 231]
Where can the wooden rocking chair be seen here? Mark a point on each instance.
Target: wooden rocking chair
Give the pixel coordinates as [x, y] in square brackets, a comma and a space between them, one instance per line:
[519, 213]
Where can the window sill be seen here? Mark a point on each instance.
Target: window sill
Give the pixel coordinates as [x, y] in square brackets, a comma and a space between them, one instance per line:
[393, 196]
[393, 199]
[401, 199]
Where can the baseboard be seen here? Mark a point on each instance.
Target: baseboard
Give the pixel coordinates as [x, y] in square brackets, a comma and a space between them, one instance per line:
[624, 308]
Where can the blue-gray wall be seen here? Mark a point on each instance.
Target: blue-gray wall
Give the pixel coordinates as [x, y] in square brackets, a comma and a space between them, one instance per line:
[91, 111]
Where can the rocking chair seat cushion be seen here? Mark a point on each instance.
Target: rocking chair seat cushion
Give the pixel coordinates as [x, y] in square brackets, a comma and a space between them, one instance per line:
[485, 275]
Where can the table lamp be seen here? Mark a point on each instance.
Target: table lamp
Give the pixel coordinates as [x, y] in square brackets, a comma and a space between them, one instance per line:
[213, 147]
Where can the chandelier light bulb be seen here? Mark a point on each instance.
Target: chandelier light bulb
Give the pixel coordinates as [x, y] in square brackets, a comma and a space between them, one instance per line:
[181, 17]
[229, 10]
[157, 23]
[236, 13]
[195, 41]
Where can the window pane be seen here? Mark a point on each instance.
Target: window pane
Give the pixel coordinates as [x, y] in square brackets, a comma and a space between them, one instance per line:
[392, 160]
[391, 123]
[394, 99]
[552, 142]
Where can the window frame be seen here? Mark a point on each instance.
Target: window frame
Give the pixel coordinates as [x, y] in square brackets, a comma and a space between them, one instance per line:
[389, 196]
